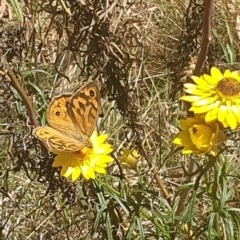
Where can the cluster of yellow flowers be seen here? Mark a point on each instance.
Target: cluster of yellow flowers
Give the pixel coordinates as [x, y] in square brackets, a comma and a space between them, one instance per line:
[215, 101]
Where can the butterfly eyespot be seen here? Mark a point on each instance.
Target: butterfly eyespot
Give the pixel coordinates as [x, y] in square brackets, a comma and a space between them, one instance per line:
[57, 113]
[92, 93]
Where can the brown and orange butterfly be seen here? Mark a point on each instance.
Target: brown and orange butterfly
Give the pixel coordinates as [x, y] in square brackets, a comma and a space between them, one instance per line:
[72, 119]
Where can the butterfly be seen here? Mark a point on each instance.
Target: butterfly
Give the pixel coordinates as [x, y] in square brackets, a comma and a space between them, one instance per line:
[72, 119]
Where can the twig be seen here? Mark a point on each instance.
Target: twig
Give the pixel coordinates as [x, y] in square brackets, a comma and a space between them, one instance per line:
[29, 104]
[27, 101]
[207, 18]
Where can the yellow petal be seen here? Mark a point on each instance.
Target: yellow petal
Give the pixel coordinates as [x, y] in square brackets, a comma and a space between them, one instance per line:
[227, 74]
[216, 74]
[231, 119]
[236, 73]
[192, 149]
[102, 149]
[224, 123]
[200, 81]
[100, 170]
[214, 151]
[205, 101]
[222, 113]
[108, 150]
[211, 81]
[202, 109]
[211, 116]
[187, 151]
[177, 141]
[185, 138]
[94, 135]
[91, 173]
[193, 88]
[87, 172]
[236, 112]
[101, 165]
[190, 98]
[75, 173]
[102, 138]
[198, 92]
[66, 171]
[84, 169]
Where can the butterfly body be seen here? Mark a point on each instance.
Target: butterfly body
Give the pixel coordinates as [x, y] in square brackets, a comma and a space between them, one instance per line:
[72, 119]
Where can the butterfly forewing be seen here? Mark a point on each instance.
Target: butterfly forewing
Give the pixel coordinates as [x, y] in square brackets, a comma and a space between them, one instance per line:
[84, 108]
[57, 114]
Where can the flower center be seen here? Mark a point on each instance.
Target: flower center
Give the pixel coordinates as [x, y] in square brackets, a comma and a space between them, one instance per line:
[228, 88]
[83, 153]
[200, 135]
[79, 154]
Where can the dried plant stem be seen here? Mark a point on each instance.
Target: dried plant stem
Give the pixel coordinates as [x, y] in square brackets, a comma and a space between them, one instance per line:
[27, 101]
[207, 18]
[29, 104]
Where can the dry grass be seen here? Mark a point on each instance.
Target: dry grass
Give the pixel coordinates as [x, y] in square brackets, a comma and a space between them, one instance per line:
[137, 52]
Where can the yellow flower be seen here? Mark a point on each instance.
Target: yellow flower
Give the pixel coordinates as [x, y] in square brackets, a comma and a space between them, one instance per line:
[129, 158]
[86, 161]
[199, 137]
[217, 95]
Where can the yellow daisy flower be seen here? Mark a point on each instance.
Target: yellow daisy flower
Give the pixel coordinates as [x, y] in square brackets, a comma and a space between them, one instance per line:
[86, 161]
[217, 95]
[199, 137]
[129, 158]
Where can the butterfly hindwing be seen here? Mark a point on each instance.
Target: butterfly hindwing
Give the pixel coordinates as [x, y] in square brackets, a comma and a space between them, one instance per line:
[56, 141]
